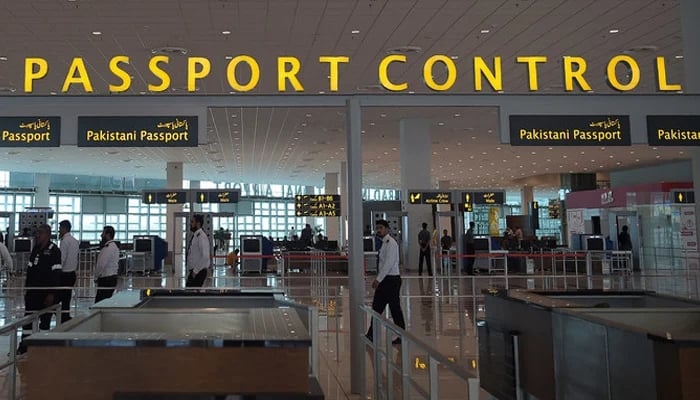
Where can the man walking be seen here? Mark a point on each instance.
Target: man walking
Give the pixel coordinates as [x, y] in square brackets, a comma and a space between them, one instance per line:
[469, 249]
[424, 238]
[107, 268]
[197, 253]
[69, 262]
[387, 285]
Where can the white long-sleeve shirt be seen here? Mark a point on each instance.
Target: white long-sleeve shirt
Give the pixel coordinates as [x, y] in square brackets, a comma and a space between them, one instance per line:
[107, 261]
[198, 251]
[69, 252]
[5, 258]
[388, 258]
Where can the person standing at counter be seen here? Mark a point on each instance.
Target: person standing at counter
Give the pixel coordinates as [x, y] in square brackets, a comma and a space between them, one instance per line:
[197, 253]
[69, 263]
[107, 266]
[424, 243]
[43, 273]
[387, 285]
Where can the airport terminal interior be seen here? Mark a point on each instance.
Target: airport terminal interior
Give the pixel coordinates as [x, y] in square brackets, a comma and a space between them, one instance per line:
[234, 185]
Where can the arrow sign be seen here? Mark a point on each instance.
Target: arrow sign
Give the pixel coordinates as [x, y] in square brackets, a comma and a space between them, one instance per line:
[414, 198]
[680, 197]
[201, 197]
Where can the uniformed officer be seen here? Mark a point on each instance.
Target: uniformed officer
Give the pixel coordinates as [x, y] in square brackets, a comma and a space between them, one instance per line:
[107, 266]
[70, 251]
[197, 253]
[43, 273]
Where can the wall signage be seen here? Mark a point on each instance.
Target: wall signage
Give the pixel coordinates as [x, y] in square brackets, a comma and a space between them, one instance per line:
[483, 71]
[570, 130]
[490, 198]
[30, 131]
[606, 197]
[318, 205]
[167, 131]
[430, 197]
[164, 197]
[673, 130]
[216, 196]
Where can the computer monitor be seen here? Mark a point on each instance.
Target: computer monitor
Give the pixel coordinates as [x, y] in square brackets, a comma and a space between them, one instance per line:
[332, 245]
[23, 245]
[143, 245]
[368, 244]
[595, 243]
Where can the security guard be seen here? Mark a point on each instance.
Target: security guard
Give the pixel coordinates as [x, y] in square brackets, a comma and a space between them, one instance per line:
[43, 272]
[197, 253]
[107, 266]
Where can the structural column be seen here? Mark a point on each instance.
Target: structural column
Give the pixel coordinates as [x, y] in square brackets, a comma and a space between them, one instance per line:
[307, 220]
[41, 195]
[690, 15]
[527, 196]
[173, 231]
[196, 207]
[332, 223]
[415, 174]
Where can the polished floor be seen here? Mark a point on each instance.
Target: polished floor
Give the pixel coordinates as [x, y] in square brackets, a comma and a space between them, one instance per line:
[441, 311]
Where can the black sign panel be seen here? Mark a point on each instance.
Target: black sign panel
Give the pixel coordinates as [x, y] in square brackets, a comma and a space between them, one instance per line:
[570, 130]
[217, 196]
[177, 131]
[683, 196]
[468, 201]
[489, 198]
[317, 205]
[673, 130]
[554, 208]
[165, 197]
[430, 198]
[30, 131]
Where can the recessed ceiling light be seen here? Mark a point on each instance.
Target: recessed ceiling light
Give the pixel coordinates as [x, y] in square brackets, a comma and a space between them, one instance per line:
[96, 33]
[229, 57]
[614, 31]
[441, 124]
[454, 57]
[321, 92]
[225, 32]
[3, 58]
[485, 31]
[679, 57]
[355, 31]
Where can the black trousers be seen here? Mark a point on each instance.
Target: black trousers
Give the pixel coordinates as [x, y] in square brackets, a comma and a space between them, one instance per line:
[64, 295]
[469, 264]
[388, 292]
[196, 280]
[105, 287]
[35, 300]
[425, 254]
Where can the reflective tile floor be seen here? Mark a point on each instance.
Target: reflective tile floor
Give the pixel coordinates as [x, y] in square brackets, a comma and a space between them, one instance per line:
[440, 311]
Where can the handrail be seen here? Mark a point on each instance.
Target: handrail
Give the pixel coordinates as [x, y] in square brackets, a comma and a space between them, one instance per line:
[30, 318]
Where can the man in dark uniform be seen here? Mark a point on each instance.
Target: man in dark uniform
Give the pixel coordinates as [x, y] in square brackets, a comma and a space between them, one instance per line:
[43, 271]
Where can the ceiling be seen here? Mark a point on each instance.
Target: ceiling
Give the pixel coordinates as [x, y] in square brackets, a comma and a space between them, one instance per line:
[298, 145]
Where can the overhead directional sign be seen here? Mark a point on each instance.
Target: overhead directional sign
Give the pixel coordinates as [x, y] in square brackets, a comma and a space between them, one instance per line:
[468, 201]
[570, 130]
[683, 196]
[317, 205]
[673, 130]
[138, 131]
[165, 197]
[430, 197]
[30, 131]
[217, 196]
[489, 198]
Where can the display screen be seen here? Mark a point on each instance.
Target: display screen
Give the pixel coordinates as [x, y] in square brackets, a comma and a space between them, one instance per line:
[23, 245]
[368, 243]
[595, 243]
[251, 245]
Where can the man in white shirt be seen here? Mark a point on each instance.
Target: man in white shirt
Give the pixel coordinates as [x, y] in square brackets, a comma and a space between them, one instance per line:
[197, 253]
[5, 258]
[107, 266]
[69, 262]
[387, 285]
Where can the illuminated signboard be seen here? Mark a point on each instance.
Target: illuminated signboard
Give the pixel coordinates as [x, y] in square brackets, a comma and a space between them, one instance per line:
[570, 130]
[554, 208]
[683, 196]
[430, 197]
[468, 201]
[673, 130]
[317, 205]
[30, 131]
[169, 131]
[164, 197]
[489, 198]
[216, 196]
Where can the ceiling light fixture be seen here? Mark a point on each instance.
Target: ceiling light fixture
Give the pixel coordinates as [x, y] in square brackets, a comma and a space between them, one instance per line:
[3, 58]
[485, 31]
[96, 33]
[614, 31]
[679, 57]
[225, 32]
[355, 31]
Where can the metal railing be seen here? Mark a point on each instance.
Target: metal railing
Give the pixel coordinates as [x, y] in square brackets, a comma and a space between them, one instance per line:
[383, 331]
[11, 330]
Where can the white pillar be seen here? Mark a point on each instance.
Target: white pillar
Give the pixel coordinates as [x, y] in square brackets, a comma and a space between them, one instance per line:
[307, 220]
[445, 222]
[690, 15]
[527, 196]
[173, 232]
[196, 207]
[41, 187]
[415, 174]
[332, 223]
[343, 203]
